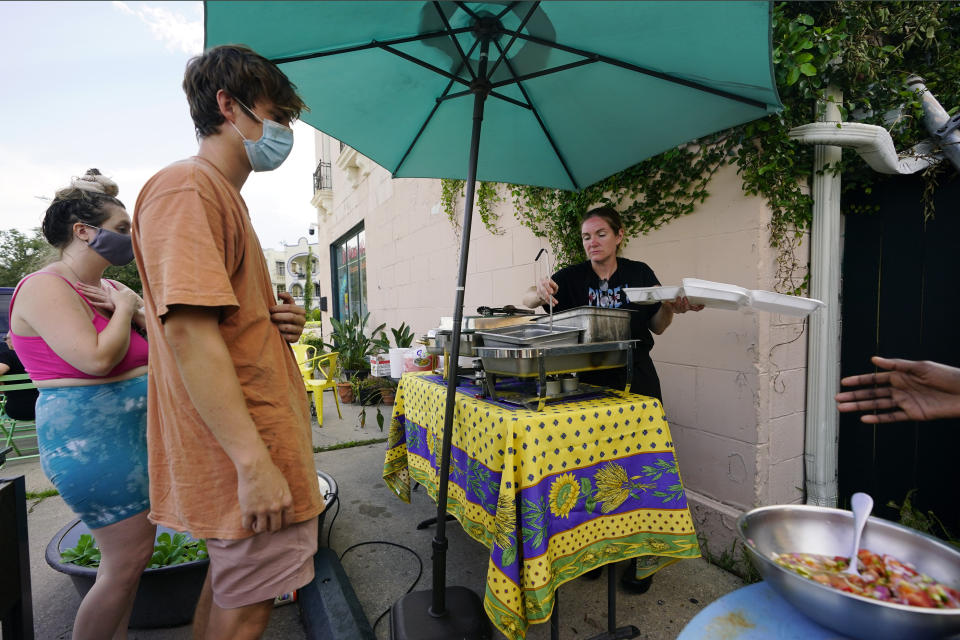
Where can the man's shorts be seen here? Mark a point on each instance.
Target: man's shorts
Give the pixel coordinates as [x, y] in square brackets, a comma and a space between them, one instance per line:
[263, 566]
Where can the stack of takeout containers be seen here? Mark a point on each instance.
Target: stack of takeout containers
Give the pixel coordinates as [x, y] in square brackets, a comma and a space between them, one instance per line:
[720, 295]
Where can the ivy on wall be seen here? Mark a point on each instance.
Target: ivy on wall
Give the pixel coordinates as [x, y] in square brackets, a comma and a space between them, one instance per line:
[866, 49]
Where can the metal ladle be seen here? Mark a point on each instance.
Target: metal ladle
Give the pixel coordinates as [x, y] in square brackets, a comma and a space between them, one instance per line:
[549, 297]
[862, 505]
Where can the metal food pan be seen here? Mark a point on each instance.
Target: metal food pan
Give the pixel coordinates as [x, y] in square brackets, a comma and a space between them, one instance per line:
[598, 324]
[445, 343]
[525, 363]
[530, 335]
[473, 323]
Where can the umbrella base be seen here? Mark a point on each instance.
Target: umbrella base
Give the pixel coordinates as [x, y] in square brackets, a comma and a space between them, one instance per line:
[410, 617]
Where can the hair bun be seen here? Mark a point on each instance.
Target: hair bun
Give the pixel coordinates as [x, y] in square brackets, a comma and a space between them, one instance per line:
[92, 181]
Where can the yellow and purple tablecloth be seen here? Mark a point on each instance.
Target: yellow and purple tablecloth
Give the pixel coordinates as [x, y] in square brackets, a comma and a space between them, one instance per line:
[552, 493]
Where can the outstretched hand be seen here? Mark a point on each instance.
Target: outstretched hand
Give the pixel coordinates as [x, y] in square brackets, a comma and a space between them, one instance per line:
[908, 390]
[288, 317]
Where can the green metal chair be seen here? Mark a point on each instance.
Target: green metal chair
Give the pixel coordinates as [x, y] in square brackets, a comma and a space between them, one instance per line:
[19, 434]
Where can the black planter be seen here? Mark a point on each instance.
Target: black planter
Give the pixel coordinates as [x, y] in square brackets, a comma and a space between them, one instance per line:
[167, 596]
[368, 397]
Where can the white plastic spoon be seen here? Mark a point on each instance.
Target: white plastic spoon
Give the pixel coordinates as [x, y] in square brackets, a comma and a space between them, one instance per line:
[862, 505]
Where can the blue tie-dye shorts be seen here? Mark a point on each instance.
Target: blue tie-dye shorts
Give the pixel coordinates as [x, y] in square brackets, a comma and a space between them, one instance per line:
[93, 447]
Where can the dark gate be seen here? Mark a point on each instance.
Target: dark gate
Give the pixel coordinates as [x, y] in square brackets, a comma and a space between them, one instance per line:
[901, 299]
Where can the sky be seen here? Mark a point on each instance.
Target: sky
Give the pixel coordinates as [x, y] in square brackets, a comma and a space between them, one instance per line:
[97, 84]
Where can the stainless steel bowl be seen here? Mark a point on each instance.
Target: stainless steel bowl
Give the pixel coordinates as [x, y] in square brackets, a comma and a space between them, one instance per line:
[809, 529]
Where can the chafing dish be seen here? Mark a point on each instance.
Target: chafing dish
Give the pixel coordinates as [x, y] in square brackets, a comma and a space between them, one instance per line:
[444, 343]
[525, 361]
[530, 335]
[598, 324]
[543, 361]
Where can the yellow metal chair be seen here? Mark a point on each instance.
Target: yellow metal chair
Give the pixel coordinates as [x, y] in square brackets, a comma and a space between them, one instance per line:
[15, 432]
[306, 354]
[326, 364]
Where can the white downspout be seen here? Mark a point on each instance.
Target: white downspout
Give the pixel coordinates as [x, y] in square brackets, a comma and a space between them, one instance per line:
[823, 352]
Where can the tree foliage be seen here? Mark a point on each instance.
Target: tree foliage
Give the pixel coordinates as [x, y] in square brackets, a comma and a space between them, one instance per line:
[308, 286]
[21, 254]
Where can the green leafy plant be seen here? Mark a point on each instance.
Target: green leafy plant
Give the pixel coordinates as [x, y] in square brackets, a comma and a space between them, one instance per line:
[169, 550]
[402, 336]
[485, 198]
[176, 549]
[84, 554]
[911, 516]
[314, 341]
[369, 392]
[308, 285]
[350, 339]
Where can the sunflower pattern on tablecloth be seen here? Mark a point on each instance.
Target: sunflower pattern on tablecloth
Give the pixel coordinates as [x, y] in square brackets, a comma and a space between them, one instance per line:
[552, 493]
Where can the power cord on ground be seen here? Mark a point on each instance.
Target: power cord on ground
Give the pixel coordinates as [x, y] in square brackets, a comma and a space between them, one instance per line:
[392, 544]
[336, 500]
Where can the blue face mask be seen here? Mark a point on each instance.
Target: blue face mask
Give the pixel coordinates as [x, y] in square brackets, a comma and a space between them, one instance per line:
[273, 147]
[115, 248]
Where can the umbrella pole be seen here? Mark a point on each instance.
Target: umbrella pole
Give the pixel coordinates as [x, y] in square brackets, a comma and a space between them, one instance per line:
[454, 612]
[440, 541]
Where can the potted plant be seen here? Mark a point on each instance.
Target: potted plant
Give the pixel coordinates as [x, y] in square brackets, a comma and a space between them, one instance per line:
[350, 339]
[169, 587]
[402, 336]
[373, 392]
[347, 390]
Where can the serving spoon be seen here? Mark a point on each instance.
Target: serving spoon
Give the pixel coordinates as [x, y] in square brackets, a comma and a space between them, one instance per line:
[862, 505]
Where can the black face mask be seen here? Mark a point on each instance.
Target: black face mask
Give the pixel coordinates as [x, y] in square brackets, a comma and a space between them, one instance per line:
[115, 248]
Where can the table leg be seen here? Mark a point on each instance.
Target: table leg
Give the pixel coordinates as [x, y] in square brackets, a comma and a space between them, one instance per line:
[432, 521]
[612, 632]
[555, 616]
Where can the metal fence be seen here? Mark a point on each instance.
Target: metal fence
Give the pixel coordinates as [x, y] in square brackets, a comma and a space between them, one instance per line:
[322, 177]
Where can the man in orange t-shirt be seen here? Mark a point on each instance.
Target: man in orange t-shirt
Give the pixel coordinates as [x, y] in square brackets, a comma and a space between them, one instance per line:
[228, 426]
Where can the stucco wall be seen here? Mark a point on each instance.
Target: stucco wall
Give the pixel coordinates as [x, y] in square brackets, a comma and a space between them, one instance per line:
[733, 382]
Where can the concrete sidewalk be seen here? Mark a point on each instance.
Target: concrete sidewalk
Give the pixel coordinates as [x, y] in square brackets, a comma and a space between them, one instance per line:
[381, 574]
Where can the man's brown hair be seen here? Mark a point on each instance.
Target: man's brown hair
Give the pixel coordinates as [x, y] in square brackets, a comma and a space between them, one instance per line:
[245, 75]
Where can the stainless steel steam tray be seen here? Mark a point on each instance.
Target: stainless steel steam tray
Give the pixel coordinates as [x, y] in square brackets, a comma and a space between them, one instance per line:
[525, 362]
[530, 335]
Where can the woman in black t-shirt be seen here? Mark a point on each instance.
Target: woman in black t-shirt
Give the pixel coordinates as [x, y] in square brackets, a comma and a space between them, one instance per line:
[600, 282]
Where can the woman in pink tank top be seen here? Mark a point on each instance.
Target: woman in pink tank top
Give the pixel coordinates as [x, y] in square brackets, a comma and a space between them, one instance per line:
[77, 337]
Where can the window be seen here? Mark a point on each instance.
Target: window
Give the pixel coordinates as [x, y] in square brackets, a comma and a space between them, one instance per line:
[279, 266]
[297, 291]
[281, 288]
[316, 289]
[349, 268]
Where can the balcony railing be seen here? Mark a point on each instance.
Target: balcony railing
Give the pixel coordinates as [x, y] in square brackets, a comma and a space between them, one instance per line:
[322, 177]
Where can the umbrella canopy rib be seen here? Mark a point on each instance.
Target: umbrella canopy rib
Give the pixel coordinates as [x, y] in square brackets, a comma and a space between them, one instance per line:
[494, 94]
[543, 127]
[650, 72]
[374, 44]
[545, 72]
[453, 38]
[513, 38]
[425, 65]
[470, 12]
[436, 105]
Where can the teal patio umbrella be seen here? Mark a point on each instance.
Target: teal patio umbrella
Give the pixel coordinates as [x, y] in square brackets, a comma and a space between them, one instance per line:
[556, 94]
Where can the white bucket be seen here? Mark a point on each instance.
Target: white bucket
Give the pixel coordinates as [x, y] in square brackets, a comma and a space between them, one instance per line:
[396, 362]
